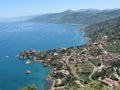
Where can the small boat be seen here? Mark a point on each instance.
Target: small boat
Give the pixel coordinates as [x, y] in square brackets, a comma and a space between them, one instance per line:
[28, 62]
[28, 72]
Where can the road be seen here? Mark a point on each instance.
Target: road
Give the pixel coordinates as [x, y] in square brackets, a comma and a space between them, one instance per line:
[73, 73]
[94, 70]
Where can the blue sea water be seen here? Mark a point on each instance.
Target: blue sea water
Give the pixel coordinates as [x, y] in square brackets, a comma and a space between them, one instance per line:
[18, 36]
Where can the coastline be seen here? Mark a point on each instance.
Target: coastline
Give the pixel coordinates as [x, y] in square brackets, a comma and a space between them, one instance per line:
[88, 38]
[48, 78]
[51, 78]
[75, 24]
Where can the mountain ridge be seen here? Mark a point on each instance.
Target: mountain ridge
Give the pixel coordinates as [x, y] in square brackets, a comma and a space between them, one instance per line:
[87, 16]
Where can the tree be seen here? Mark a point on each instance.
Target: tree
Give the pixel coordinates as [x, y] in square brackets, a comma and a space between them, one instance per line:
[29, 87]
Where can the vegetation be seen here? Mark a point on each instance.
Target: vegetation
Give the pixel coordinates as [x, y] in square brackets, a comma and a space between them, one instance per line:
[96, 62]
[114, 48]
[109, 28]
[29, 87]
[118, 87]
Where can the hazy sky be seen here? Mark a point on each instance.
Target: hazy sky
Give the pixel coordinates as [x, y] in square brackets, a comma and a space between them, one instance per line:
[13, 8]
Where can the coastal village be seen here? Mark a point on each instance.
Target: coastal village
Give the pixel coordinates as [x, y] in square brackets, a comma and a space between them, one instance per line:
[79, 67]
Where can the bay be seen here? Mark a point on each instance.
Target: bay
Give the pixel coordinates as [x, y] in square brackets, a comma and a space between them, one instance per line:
[18, 36]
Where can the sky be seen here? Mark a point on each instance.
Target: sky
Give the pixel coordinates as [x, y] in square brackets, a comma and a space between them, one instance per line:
[15, 8]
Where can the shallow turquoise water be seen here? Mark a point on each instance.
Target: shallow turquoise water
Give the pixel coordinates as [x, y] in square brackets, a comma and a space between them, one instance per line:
[17, 36]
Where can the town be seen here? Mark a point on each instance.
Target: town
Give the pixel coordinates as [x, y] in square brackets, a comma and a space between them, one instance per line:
[79, 67]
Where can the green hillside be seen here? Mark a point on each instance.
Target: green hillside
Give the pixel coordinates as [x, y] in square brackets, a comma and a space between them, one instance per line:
[110, 28]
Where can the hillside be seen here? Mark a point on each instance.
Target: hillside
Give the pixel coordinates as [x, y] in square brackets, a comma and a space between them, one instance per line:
[88, 16]
[109, 28]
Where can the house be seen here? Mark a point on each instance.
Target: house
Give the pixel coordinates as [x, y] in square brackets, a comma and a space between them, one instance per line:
[55, 54]
[110, 82]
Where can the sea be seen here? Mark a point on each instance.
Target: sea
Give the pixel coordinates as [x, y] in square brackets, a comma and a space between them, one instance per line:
[18, 36]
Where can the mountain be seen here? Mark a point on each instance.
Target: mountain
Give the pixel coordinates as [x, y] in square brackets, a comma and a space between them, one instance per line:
[90, 17]
[54, 17]
[84, 16]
